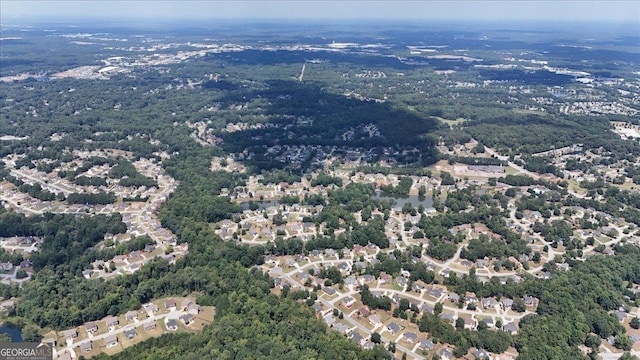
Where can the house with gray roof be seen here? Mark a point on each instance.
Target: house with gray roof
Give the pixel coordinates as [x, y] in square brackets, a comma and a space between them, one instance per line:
[410, 337]
[510, 328]
[131, 315]
[111, 340]
[427, 344]
[506, 303]
[172, 325]
[393, 327]
[86, 347]
[445, 353]
[130, 334]
[481, 354]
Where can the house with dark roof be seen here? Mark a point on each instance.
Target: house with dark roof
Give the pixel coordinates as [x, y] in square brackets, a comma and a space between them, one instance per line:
[356, 337]
[186, 319]
[172, 325]
[329, 290]
[510, 328]
[488, 322]
[130, 334]
[426, 308]
[410, 337]
[436, 292]
[393, 327]
[530, 301]
[445, 353]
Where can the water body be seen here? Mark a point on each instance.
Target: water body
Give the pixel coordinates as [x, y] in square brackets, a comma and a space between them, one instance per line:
[13, 331]
[261, 204]
[400, 200]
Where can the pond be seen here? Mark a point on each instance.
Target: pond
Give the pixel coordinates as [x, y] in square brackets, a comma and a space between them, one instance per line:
[13, 331]
[261, 204]
[400, 200]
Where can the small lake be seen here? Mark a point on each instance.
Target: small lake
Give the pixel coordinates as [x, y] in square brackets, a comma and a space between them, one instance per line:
[400, 200]
[261, 204]
[13, 331]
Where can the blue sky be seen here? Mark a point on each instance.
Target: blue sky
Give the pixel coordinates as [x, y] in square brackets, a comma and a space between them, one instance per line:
[572, 10]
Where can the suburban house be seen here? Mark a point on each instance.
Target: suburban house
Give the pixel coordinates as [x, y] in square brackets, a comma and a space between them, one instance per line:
[87, 273]
[131, 315]
[86, 347]
[427, 344]
[172, 325]
[445, 353]
[111, 322]
[435, 292]
[453, 297]
[356, 337]
[170, 304]
[488, 322]
[393, 327]
[130, 334]
[193, 309]
[111, 341]
[481, 354]
[70, 334]
[447, 316]
[530, 301]
[426, 308]
[186, 319]
[149, 326]
[151, 308]
[374, 320]
[91, 327]
[506, 303]
[184, 304]
[363, 311]
[329, 290]
[410, 337]
[469, 323]
[349, 301]
[489, 303]
[510, 328]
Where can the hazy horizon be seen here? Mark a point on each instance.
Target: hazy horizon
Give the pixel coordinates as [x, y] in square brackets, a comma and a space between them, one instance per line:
[267, 11]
